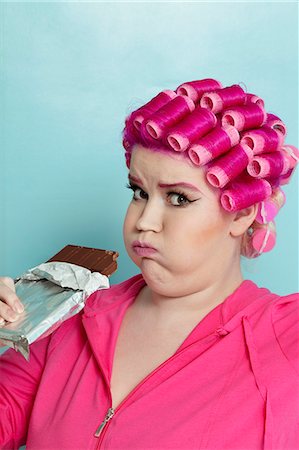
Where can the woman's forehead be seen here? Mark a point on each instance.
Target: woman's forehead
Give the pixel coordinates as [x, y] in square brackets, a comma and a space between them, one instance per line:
[163, 168]
[177, 163]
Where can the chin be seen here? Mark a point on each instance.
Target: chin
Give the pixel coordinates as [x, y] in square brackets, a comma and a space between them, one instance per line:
[157, 278]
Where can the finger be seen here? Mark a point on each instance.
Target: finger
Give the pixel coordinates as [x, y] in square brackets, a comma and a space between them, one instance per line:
[7, 313]
[10, 298]
[9, 282]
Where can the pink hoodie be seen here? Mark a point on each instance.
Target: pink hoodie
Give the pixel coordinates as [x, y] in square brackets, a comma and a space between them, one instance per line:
[232, 384]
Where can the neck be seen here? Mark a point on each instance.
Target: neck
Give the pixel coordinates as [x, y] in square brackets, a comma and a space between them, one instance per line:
[211, 293]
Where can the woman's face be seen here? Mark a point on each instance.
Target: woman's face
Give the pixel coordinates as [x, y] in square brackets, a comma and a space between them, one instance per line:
[177, 212]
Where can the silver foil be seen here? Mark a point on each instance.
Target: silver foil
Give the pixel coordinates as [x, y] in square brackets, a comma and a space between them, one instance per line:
[51, 293]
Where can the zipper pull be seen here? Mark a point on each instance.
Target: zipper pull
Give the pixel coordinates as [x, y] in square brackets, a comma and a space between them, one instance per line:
[108, 417]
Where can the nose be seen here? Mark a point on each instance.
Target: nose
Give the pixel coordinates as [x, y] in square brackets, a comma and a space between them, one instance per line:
[150, 218]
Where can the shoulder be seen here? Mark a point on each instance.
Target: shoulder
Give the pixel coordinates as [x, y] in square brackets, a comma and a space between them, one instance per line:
[263, 299]
[275, 322]
[279, 322]
[285, 322]
[118, 292]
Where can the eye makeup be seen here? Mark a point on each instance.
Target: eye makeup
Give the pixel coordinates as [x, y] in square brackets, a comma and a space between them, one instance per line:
[169, 194]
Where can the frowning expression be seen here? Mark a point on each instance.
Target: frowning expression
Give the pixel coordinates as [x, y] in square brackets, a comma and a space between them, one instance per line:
[177, 213]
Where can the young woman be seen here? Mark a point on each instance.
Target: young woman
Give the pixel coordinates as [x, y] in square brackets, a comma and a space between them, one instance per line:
[188, 354]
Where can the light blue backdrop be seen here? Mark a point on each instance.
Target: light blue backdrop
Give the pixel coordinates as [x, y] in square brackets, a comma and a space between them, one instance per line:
[73, 71]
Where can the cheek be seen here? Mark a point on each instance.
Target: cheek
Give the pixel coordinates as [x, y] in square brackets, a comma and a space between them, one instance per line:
[193, 236]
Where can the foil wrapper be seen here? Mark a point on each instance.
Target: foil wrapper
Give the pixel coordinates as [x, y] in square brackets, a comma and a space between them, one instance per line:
[51, 293]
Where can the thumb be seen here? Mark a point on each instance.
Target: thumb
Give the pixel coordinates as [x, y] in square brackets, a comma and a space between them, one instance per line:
[8, 282]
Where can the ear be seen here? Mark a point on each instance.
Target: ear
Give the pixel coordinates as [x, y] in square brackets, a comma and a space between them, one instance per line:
[243, 220]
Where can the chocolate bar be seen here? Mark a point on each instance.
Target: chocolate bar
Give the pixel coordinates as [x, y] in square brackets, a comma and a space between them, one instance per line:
[56, 290]
[94, 259]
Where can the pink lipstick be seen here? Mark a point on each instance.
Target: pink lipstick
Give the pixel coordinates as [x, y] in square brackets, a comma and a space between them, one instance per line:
[143, 248]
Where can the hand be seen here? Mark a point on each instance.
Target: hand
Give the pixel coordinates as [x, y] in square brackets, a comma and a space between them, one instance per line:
[10, 305]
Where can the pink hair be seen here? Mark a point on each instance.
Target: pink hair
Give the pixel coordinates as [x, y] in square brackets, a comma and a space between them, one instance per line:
[229, 131]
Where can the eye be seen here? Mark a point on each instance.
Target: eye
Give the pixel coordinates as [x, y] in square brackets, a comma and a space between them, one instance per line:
[177, 199]
[138, 193]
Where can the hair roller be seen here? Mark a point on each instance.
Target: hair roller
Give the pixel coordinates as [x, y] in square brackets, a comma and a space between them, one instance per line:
[193, 127]
[251, 98]
[285, 179]
[244, 193]
[293, 153]
[229, 166]
[263, 238]
[153, 105]
[262, 140]
[276, 123]
[244, 117]
[269, 208]
[195, 89]
[223, 98]
[269, 165]
[169, 114]
[259, 238]
[214, 144]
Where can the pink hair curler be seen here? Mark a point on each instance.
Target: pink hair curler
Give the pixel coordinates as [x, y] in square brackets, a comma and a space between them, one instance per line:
[223, 98]
[262, 140]
[263, 238]
[171, 113]
[276, 123]
[244, 193]
[229, 166]
[214, 144]
[195, 89]
[193, 127]
[285, 179]
[292, 153]
[269, 165]
[269, 208]
[252, 98]
[244, 117]
[153, 105]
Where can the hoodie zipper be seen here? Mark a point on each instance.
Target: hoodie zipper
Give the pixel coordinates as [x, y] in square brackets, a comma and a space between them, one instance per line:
[104, 425]
[109, 415]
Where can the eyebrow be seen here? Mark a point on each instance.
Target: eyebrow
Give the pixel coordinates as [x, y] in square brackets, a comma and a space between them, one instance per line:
[167, 185]
[180, 183]
[134, 179]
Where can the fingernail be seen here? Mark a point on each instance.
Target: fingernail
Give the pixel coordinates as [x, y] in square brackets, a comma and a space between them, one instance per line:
[18, 307]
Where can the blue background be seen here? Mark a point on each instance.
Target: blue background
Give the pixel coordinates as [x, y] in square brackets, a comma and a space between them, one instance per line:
[71, 72]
